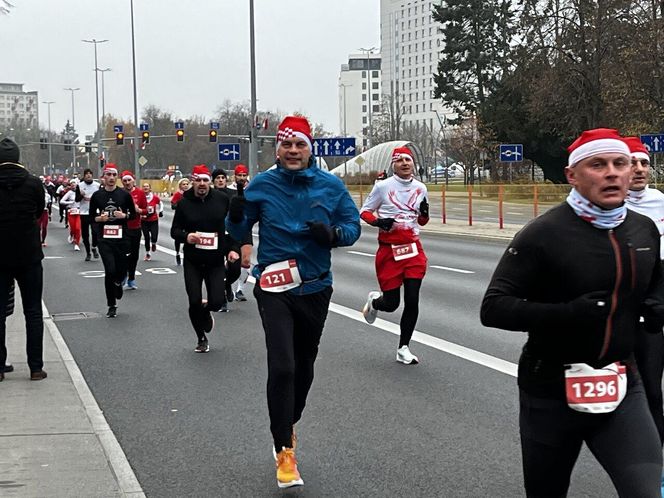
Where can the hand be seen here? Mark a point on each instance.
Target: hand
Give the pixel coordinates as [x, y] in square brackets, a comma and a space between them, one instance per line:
[424, 208]
[322, 233]
[591, 307]
[193, 238]
[161, 215]
[236, 209]
[384, 223]
[104, 217]
[119, 214]
[232, 256]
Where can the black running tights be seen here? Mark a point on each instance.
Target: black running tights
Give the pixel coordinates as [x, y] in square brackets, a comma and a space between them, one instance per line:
[134, 249]
[114, 258]
[389, 302]
[649, 352]
[150, 233]
[194, 276]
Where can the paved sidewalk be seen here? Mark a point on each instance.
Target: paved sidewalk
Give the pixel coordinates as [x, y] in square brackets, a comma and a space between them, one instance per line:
[54, 439]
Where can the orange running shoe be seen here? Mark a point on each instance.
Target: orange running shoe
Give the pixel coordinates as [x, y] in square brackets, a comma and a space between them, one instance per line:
[287, 473]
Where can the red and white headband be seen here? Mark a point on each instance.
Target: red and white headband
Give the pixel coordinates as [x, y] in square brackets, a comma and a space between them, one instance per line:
[288, 132]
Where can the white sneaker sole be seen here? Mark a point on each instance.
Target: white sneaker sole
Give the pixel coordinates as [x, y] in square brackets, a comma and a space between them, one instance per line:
[414, 361]
[370, 317]
[290, 484]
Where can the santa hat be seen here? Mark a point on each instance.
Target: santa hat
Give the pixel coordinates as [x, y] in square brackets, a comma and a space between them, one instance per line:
[201, 172]
[400, 152]
[127, 174]
[240, 169]
[110, 168]
[294, 126]
[636, 148]
[597, 141]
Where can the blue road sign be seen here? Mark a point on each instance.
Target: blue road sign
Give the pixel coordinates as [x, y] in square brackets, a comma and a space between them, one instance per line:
[511, 153]
[118, 128]
[144, 127]
[214, 125]
[339, 146]
[653, 142]
[179, 125]
[229, 152]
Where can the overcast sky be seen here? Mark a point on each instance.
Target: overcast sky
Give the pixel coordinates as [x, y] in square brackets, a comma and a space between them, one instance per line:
[191, 55]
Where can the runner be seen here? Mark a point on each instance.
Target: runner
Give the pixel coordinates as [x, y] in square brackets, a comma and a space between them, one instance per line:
[134, 226]
[576, 280]
[241, 177]
[73, 215]
[199, 224]
[60, 193]
[111, 207]
[44, 219]
[398, 206]
[183, 186]
[649, 346]
[150, 220]
[303, 212]
[51, 189]
[84, 191]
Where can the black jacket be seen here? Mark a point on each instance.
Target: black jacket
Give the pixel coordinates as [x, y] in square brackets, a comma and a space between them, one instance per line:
[207, 214]
[556, 259]
[21, 205]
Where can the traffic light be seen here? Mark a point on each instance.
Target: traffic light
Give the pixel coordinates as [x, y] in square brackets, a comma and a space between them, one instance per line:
[213, 136]
[180, 135]
[42, 143]
[88, 147]
[145, 137]
[67, 147]
[119, 138]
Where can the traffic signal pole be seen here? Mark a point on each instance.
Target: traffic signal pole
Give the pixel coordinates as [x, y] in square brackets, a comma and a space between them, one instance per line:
[253, 146]
[137, 166]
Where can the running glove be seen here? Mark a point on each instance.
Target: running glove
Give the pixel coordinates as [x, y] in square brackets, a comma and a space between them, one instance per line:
[384, 223]
[424, 208]
[236, 209]
[322, 233]
[590, 308]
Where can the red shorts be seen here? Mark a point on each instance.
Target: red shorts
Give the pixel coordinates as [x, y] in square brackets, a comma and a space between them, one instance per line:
[391, 273]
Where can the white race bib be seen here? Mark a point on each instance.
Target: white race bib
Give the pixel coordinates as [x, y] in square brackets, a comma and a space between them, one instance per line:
[74, 211]
[404, 251]
[595, 390]
[112, 232]
[281, 276]
[150, 209]
[208, 240]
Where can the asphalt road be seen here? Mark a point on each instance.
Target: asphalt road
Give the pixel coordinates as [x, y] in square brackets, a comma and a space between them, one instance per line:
[197, 425]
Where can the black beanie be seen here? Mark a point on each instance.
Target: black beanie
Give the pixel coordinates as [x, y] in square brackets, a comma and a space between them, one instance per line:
[9, 152]
[218, 172]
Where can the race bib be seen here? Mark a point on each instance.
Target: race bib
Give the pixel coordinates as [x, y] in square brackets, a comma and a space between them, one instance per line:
[208, 240]
[112, 232]
[404, 251]
[595, 390]
[74, 211]
[150, 209]
[280, 277]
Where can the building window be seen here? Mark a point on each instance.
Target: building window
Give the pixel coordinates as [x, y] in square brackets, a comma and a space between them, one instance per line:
[364, 74]
[376, 108]
[374, 74]
[364, 120]
[364, 97]
[364, 86]
[374, 96]
[364, 108]
[374, 85]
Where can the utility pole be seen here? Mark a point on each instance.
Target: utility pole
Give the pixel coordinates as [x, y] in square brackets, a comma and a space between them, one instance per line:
[73, 125]
[369, 52]
[103, 98]
[50, 156]
[253, 146]
[133, 59]
[98, 132]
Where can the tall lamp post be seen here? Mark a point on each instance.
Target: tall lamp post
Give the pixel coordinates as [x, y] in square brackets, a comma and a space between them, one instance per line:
[133, 60]
[50, 156]
[368, 52]
[98, 133]
[344, 86]
[103, 98]
[73, 125]
[253, 146]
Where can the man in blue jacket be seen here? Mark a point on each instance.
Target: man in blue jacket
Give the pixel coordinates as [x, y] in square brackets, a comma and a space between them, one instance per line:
[303, 212]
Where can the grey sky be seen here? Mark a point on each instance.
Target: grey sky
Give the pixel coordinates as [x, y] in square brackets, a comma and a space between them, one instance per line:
[191, 54]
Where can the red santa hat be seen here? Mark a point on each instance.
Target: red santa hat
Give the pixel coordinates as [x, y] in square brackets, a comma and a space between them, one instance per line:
[201, 172]
[126, 174]
[637, 149]
[241, 169]
[593, 142]
[110, 168]
[400, 152]
[294, 126]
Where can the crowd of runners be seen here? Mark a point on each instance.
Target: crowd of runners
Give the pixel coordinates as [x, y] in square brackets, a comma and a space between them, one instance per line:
[584, 281]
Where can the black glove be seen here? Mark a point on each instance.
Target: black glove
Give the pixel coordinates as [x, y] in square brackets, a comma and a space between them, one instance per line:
[161, 215]
[322, 233]
[590, 308]
[236, 210]
[424, 208]
[384, 223]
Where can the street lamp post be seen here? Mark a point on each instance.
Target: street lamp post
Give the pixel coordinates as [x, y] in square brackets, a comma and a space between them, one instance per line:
[103, 98]
[368, 52]
[98, 133]
[50, 156]
[73, 125]
[133, 59]
[344, 85]
[253, 146]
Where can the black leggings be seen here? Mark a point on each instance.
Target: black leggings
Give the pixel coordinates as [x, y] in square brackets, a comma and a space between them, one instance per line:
[293, 326]
[232, 272]
[389, 302]
[134, 248]
[114, 258]
[649, 352]
[194, 276]
[150, 233]
[86, 227]
[177, 246]
[624, 442]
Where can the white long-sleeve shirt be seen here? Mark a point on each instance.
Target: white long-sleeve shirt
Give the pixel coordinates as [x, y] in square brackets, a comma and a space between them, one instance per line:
[649, 202]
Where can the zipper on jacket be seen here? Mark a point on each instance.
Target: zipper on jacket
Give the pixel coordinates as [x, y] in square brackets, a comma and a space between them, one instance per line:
[632, 262]
[614, 295]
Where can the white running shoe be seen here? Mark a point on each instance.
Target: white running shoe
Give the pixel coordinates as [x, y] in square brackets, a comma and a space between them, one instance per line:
[369, 311]
[406, 357]
[76, 248]
[70, 239]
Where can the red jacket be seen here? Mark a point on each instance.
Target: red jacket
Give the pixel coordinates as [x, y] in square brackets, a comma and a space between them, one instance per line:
[141, 208]
[152, 209]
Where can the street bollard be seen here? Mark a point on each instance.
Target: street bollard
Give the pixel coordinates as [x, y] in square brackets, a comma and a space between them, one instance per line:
[442, 191]
[500, 206]
[470, 205]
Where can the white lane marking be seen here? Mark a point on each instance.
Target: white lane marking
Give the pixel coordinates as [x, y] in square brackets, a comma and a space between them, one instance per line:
[484, 359]
[447, 268]
[362, 253]
[458, 208]
[115, 455]
[484, 211]
[515, 212]
[167, 250]
[53, 257]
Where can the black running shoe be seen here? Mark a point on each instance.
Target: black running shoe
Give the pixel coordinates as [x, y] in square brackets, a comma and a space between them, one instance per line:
[95, 253]
[230, 297]
[88, 257]
[224, 308]
[178, 260]
[202, 347]
[118, 291]
[112, 312]
[239, 296]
